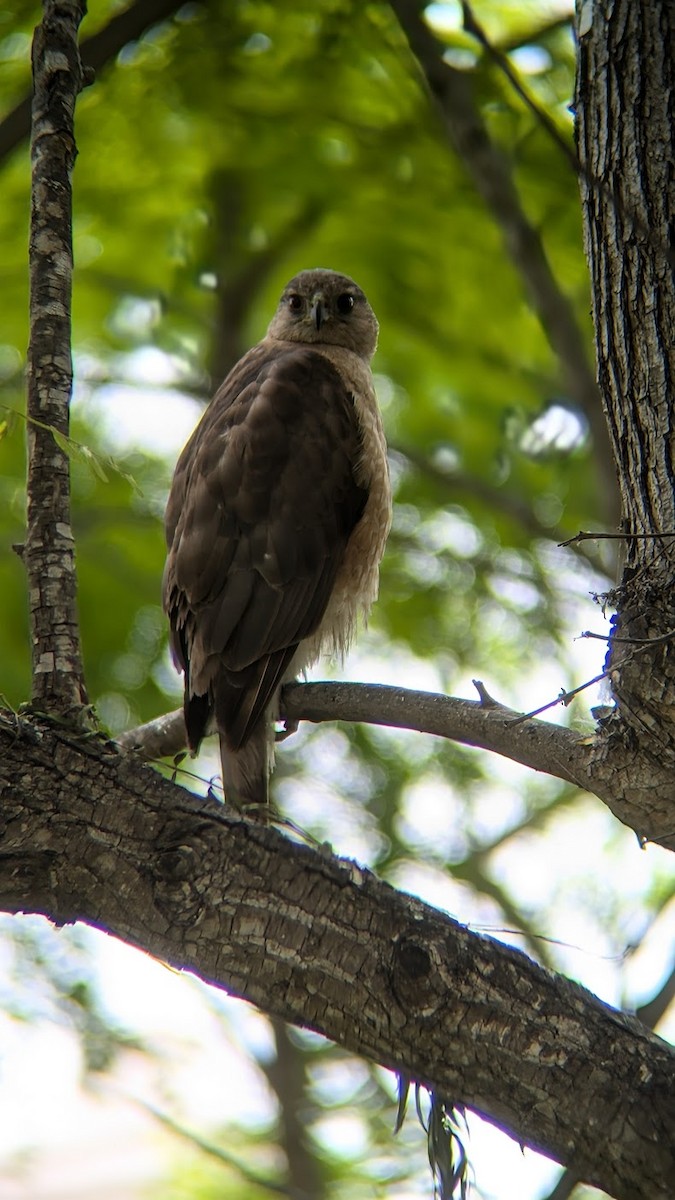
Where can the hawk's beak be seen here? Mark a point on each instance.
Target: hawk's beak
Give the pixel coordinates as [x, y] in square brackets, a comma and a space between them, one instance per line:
[318, 311]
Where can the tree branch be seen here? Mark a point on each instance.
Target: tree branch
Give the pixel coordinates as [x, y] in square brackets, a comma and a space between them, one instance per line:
[641, 801]
[318, 941]
[490, 726]
[489, 170]
[49, 555]
[650, 1014]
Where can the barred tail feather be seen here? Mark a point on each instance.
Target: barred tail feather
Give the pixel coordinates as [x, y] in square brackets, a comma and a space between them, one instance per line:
[246, 771]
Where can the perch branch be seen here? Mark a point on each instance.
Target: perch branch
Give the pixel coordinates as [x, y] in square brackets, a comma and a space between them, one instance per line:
[637, 792]
[541, 745]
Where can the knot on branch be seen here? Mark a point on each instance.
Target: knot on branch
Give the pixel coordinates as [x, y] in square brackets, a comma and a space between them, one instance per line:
[413, 959]
[415, 981]
[178, 878]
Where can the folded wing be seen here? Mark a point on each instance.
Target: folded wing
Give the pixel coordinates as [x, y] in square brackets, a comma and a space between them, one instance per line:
[262, 505]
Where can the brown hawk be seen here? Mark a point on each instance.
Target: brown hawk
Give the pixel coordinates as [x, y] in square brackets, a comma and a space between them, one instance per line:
[276, 522]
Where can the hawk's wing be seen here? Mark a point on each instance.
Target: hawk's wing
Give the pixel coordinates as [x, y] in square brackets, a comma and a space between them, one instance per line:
[262, 505]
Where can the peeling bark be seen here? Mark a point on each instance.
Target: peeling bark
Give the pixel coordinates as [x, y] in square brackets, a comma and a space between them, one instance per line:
[90, 834]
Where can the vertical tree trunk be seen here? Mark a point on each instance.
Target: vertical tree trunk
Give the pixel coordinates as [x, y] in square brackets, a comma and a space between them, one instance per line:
[49, 553]
[625, 129]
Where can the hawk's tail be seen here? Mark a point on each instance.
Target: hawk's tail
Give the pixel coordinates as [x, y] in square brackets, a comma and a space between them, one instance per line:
[246, 771]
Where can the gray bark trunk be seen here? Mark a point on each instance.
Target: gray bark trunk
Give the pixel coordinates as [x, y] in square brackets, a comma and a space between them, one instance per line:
[49, 553]
[626, 138]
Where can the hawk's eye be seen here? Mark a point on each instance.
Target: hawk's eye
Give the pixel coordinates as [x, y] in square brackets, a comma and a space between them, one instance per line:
[295, 302]
[344, 303]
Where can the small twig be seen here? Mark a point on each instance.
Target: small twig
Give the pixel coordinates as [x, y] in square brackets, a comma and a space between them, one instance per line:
[629, 641]
[473, 27]
[582, 536]
[487, 701]
[565, 697]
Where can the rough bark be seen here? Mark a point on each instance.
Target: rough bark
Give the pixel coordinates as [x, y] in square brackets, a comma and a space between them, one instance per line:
[49, 553]
[626, 138]
[94, 835]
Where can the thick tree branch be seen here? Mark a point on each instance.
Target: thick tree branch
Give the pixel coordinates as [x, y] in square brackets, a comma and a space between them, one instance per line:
[489, 170]
[49, 553]
[89, 834]
[637, 790]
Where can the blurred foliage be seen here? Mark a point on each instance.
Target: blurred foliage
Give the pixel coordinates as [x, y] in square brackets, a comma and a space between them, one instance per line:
[228, 147]
[219, 154]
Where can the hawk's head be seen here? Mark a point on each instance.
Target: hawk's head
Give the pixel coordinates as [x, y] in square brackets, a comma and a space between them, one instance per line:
[324, 307]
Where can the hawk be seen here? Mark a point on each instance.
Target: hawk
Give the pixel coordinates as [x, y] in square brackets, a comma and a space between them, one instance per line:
[276, 522]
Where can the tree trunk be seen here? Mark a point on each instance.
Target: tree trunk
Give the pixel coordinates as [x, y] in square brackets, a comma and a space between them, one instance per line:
[49, 552]
[625, 128]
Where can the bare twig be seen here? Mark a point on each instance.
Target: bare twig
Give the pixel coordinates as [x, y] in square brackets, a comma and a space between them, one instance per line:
[564, 697]
[49, 557]
[620, 537]
[629, 641]
[497, 54]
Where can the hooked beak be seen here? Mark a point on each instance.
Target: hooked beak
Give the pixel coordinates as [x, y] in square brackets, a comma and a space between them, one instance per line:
[318, 311]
